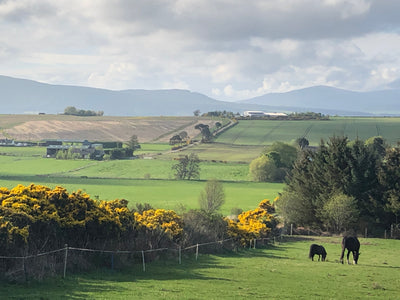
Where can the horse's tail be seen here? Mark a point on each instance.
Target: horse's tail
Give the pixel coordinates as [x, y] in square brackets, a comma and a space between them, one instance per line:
[310, 254]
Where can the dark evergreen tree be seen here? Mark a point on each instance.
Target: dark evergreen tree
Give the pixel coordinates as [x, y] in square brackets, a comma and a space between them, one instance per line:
[339, 167]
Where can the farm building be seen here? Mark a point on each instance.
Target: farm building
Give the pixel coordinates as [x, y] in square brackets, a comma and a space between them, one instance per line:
[84, 149]
[259, 114]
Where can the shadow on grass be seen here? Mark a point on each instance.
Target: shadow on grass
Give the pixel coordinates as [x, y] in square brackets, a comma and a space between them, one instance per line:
[83, 285]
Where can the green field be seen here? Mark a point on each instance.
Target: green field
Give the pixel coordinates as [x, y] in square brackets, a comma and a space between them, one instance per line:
[127, 169]
[281, 271]
[168, 194]
[138, 180]
[222, 152]
[265, 132]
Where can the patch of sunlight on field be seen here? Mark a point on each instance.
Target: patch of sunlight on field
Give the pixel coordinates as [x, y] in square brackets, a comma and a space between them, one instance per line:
[221, 152]
[266, 132]
[168, 194]
[276, 271]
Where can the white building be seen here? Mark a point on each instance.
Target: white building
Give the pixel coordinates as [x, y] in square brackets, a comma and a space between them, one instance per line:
[257, 113]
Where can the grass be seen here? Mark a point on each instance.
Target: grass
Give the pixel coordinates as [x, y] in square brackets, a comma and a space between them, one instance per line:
[138, 181]
[128, 169]
[281, 271]
[168, 194]
[265, 132]
[222, 152]
[160, 169]
[152, 148]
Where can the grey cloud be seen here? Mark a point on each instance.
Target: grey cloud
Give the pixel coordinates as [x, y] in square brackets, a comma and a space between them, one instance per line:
[21, 11]
[230, 20]
[195, 41]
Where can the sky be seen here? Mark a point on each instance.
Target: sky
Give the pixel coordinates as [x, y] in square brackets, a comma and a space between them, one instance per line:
[226, 49]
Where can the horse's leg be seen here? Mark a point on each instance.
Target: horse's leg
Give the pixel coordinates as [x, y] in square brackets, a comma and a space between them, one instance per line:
[341, 256]
[354, 261]
[348, 254]
[319, 257]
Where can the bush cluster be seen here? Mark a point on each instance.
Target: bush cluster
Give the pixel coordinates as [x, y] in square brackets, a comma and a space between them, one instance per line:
[36, 218]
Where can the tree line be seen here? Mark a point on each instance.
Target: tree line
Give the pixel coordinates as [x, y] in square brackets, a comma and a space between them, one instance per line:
[344, 185]
[73, 111]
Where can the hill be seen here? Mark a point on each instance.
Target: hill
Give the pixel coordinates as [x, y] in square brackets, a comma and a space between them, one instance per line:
[21, 96]
[105, 128]
[324, 99]
[266, 132]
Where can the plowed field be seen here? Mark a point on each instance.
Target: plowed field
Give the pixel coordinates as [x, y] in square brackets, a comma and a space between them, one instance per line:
[43, 127]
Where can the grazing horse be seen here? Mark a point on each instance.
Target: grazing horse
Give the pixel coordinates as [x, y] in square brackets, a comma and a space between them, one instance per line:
[352, 245]
[317, 250]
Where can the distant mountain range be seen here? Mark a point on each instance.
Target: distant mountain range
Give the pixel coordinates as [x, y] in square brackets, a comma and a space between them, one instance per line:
[21, 96]
[324, 98]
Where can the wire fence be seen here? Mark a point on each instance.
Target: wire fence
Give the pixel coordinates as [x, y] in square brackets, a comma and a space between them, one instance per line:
[68, 260]
[63, 261]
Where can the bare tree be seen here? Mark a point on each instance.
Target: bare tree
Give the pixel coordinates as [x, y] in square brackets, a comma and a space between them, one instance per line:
[212, 197]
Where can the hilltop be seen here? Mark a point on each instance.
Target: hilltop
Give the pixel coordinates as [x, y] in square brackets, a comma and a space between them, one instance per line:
[21, 96]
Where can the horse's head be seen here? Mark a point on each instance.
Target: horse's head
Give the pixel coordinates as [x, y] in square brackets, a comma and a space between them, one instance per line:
[356, 255]
[324, 256]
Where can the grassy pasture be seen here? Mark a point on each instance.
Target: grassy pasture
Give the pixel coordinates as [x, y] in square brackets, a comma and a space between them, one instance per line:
[109, 180]
[168, 194]
[222, 152]
[161, 169]
[128, 169]
[265, 132]
[281, 271]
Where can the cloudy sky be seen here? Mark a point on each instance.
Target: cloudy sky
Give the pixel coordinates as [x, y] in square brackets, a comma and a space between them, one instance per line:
[226, 49]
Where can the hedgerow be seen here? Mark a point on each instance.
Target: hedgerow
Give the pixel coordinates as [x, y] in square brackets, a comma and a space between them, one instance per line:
[36, 219]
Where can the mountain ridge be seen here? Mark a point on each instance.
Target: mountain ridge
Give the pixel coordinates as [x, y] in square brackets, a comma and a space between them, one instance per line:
[19, 96]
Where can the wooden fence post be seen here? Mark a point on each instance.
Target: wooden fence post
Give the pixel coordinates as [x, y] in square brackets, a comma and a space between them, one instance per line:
[24, 268]
[65, 259]
[144, 264]
[197, 251]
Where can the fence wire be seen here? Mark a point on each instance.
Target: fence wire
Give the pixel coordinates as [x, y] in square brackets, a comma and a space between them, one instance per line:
[67, 260]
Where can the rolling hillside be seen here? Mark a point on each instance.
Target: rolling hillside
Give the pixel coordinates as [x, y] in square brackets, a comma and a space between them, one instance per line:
[160, 129]
[20, 96]
[257, 132]
[323, 98]
[147, 129]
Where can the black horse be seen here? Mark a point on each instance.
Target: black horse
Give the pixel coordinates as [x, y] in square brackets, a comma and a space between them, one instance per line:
[352, 245]
[317, 250]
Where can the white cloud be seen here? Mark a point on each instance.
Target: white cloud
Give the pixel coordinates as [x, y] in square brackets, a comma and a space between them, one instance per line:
[223, 48]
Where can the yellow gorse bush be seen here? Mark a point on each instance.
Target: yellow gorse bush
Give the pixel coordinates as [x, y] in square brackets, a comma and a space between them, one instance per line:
[54, 214]
[160, 219]
[252, 224]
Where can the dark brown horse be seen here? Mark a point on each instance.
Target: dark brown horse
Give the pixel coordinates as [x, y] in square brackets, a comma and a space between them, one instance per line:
[352, 245]
[317, 250]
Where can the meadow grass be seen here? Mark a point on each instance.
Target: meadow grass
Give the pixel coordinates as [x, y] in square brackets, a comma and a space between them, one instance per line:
[281, 271]
[128, 169]
[152, 148]
[265, 132]
[160, 169]
[29, 165]
[221, 152]
[168, 194]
